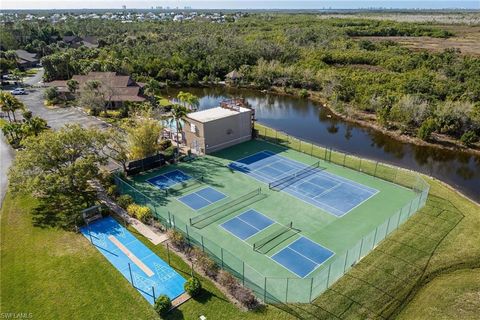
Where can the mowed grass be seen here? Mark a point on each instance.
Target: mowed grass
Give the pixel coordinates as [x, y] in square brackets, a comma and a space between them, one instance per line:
[56, 274]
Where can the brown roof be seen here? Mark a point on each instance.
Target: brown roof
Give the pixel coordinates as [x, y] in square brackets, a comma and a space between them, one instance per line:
[123, 87]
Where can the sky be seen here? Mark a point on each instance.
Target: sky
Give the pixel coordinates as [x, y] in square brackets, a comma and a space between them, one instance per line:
[239, 4]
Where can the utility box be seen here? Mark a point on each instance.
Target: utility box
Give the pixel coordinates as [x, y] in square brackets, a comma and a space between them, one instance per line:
[218, 128]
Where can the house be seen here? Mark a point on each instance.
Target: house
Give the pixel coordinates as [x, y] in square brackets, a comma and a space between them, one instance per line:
[26, 59]
[214, 129]
[117, 89]
[233, 77]
[76, 41]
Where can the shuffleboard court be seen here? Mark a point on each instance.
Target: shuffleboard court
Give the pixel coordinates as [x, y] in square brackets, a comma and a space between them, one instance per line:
[302, 256]
[151, 275]
[247, 224]
[334, 194]
[202, 198]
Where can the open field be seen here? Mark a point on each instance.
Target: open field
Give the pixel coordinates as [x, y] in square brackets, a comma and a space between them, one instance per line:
[466, 39]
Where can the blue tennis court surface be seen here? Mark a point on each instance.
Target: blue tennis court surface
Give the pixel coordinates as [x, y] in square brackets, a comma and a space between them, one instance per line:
[247, 224]
[331, 193]
[121, 248]
[202, 198]
[169, 179]
[302, 256]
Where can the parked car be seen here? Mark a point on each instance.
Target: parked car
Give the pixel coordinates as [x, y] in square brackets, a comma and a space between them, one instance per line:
[18, 91]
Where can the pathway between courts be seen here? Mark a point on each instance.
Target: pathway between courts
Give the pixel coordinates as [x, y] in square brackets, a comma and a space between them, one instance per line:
[143, 229]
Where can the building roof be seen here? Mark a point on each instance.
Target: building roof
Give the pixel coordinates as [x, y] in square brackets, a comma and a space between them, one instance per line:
[234, 75]
[26, 56]
[123, 88]
[215, 114]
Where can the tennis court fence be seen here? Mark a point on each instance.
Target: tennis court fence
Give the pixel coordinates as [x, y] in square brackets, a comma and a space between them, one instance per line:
[296, 290]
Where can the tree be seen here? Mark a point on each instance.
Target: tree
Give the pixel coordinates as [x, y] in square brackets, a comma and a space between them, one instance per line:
[33, 125]
[188, 100]
[18, 75]
[143, 138]
[72, 86]
[92, 97]
[10, 104]
[117, 146]
[51, 95]
[55, 167]
[178, 113]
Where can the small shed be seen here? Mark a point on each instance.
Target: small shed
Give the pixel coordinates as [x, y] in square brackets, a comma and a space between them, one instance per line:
[214, 129]
[233, 76]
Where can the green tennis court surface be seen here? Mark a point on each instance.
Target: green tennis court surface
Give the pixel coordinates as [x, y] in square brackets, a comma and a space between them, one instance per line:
[307, 229]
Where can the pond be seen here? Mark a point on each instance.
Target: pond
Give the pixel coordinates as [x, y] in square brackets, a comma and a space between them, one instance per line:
[310, 121]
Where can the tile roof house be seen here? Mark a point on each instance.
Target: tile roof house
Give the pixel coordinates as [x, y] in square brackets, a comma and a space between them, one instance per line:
[119, 88]
[26, 59]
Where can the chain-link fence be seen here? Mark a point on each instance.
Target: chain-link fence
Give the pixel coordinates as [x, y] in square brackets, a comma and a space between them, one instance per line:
[301, 290]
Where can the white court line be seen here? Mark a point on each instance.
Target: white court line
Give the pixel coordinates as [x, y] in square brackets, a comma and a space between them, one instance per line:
[131, 256]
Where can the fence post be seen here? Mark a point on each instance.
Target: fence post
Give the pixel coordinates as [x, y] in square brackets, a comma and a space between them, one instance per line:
[361, 247]
[221, 253]
[286, 293]
[188, 236]
[328, 275]
[375, 237]
[325, 155]
[169, 219]
[168, 253]
[153, 293]
[265, 290]
[345, 264]
[344, 157]
[203, 246]
[131, 277]
[375, 172]
[360, 166]
[311, 290]
[191, 271]
[243, 273]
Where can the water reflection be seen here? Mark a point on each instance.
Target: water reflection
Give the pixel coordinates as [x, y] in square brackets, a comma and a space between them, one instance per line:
[310, 121]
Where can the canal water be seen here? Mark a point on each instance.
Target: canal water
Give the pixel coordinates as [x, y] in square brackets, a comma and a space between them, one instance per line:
[310, 121]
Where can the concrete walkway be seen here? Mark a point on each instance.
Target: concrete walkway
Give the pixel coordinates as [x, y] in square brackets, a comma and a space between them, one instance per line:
[143, 229]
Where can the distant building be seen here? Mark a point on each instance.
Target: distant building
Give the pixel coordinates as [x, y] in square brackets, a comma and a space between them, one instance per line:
[76, 41]
[26, 60]
[214, 129]
[118, 89]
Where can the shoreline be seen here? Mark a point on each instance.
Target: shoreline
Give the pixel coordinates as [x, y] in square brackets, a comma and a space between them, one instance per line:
[454, 145]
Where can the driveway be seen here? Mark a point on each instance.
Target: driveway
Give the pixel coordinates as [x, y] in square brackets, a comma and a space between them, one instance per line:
[55, 117]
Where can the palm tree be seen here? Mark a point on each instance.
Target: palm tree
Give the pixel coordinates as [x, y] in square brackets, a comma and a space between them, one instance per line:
[178, 113]
[188, 100]
[9, 104]
[33, 125]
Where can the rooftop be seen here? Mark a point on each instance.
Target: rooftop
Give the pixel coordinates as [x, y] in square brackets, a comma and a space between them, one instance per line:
[215, 113]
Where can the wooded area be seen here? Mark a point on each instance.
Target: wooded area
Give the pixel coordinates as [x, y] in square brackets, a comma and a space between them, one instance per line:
[418, 92]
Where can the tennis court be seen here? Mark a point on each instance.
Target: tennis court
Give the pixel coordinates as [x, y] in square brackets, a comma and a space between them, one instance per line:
[202, 198]
[302, 256]
[331, 193]
[270, 215]
[169, 179]
[149, 274]
[247, 224]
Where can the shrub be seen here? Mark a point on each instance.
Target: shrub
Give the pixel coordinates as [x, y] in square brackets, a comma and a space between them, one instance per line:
[177, 239]
[208, 266]
[192, 286]
[303, 93]
[469, 138]
[245, 297]
[51, 95]
[164, 144]
[142, 213]
[112, 190]
[124, 200]
[227, 280]
[426, 129]
[162, 304]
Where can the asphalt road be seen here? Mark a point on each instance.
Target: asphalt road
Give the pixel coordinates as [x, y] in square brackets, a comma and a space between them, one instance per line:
[55, 117]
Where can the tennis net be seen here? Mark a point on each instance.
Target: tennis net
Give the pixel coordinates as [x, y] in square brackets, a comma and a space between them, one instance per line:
[214, 214]
[190, 183]
[292, 178]
[273, 239]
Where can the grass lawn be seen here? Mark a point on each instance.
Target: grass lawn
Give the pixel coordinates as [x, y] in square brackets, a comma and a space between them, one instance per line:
[56, 274]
